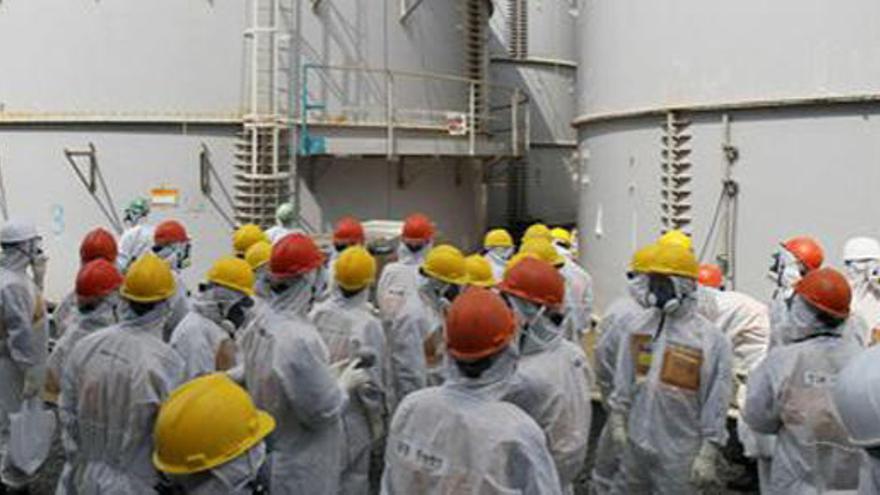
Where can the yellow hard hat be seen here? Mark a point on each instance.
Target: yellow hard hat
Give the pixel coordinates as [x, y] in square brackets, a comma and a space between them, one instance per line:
[642, 259]
[677, 238]
[538, 230]
[561, 235]
[498, 238]
[673, 259]
[544, 250]
[355, 268]
[233, 273]
[479, 271]
[246, 236]
[207, 422]
[446, 263]
[516, 258]
[148, 280]
[258, 254]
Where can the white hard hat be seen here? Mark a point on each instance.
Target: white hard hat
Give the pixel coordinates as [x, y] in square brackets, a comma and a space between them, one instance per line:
[861, 248]
[857, 398]
[15, 231]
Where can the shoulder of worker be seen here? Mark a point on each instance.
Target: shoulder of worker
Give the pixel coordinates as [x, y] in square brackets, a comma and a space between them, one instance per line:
[733, 300]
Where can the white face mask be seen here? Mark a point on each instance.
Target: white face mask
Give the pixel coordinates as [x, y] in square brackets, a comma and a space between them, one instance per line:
[786, 270]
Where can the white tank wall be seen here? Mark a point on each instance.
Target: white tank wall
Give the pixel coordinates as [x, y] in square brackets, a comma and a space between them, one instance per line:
[87, 57]
[39, 180]
[670, 52]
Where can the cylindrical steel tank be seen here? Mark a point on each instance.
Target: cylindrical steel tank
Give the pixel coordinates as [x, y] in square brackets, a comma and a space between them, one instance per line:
[677, 96]
[533, 47]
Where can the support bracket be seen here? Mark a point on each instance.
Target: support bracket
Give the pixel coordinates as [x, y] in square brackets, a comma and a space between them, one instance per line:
[92, 179]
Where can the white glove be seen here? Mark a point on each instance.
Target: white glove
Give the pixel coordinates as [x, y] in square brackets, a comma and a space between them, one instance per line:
[703, 470]
[353, 377]
[619, 435]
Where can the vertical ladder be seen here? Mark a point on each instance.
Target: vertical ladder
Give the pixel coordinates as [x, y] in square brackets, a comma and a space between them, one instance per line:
[262, 150]
[675, 177]
[518, 29]
[476, 22]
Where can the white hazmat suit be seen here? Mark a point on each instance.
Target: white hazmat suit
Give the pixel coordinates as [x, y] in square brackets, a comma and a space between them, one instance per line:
[399, 278]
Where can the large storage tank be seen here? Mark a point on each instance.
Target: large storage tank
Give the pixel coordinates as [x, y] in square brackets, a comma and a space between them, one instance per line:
[673, 94]
[143, 83]
[161, 89]
[534, 47]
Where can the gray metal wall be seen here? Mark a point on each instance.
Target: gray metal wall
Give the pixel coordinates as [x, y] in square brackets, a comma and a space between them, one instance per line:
[786, 73]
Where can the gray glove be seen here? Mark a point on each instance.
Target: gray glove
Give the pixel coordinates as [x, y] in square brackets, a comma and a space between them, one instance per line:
[353, 377]
[619, 435]
[703, 469]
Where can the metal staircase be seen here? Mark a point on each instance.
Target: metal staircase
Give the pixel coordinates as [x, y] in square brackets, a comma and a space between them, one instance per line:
[675, 192]
[518, 29]
[476, 23]
[262, 150]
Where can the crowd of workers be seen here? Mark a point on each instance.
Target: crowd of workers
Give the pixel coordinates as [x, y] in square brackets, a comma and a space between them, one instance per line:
[288, 367]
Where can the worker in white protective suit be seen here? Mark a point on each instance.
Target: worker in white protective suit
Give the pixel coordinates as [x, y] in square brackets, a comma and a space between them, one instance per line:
[460, 438]
[796, 257]
[857, 400]
[285, 223]
[672, 387]
[172, 243]
[348, 232]
[25, 331]
[97, 301]
[790, 393]
[575, 275]
[861, 256]
[553, 384]
[613, 329]
[213, 420]
[206, 338]
[137, 238]
[415, 335]
[498, 249]
[112, 385]
[400, 278]
[287, 372]
[97, 244]
[351, 330]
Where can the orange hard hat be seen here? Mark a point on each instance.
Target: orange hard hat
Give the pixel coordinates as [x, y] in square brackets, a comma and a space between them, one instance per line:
[169, 232]
[534, 280]
[294, 255]
[711, 276]
[97, 278]
[826, 290]
[806, 250]
[478, 325]
[417, 228]
[348, 231]
[98, 243]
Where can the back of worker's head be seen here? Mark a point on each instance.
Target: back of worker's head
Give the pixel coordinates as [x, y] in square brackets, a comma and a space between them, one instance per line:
[821, 300]
[148, 284]
[354, 271]
[296, 264]
[479, 328]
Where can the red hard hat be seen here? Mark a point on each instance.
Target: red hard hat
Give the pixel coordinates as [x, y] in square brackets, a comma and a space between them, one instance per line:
[98, 243]
[478, 325]
[826, 290]
[711, 276]
[536, 281]
[806, 250]
[348, 231]
[169, 232]
[417, 228]
[97, 279]
[294, 255]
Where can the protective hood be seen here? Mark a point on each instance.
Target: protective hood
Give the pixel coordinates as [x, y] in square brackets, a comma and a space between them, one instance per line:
[232, 477]
[214, 303]
[804, 321]
[152, 321]
[15, 260]
[104, 315]
[495, 381]
[361, 299]
[407, 257]
[499, 254]
[785, 272]
[298, 297]
[863, 277]
[637, 287]
[537, 332]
